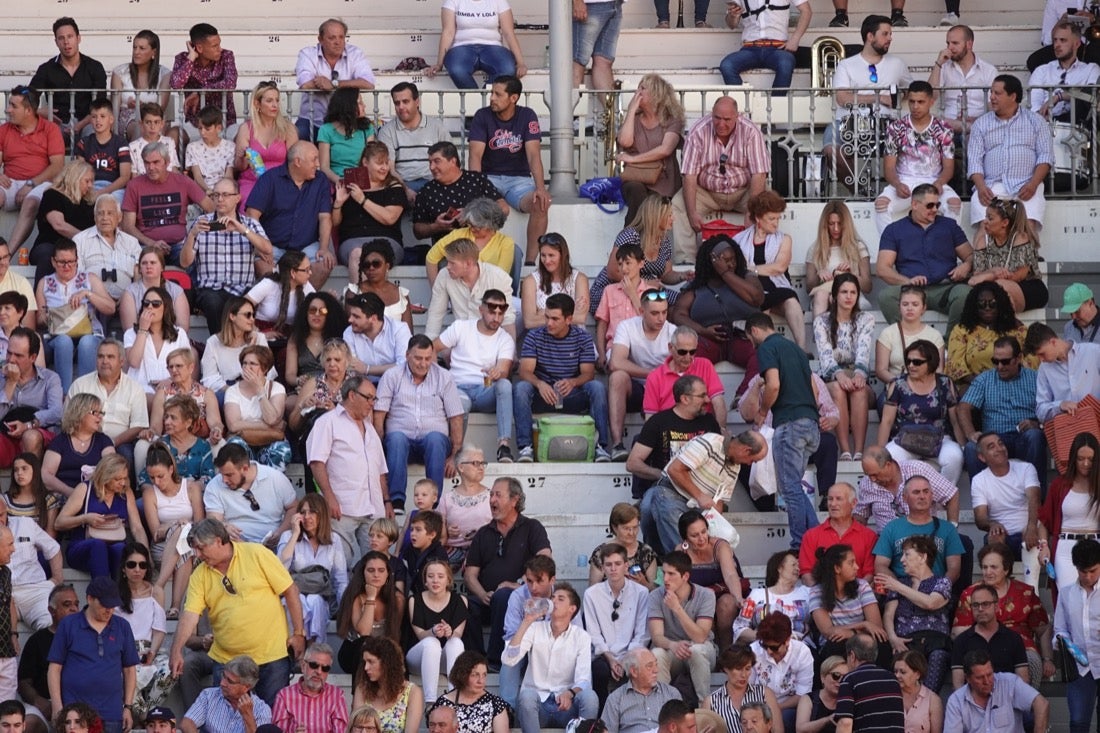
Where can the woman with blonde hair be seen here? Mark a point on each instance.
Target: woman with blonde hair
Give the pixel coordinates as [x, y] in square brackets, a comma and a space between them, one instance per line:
[837, 249]
[67, 209]
[651, 230]
[649, 135]
[321, 393]
[221, 361]
[1008, 254]
[81, 442]
[364, 719]
[100, 513]
[372, 211]
[268, 134]
[181, 381]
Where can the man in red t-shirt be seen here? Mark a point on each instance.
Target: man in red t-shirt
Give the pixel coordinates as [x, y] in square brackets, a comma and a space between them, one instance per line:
[840, 528]
[32, 152]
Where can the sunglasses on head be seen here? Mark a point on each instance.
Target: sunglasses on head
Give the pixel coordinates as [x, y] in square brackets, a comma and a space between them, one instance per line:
[553, 238]
[655, 295]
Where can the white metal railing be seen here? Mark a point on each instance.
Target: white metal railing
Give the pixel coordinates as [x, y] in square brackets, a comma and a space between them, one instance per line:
[793, 126]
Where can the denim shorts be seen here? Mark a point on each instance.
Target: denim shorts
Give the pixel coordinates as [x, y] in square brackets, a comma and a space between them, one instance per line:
[599, 34]
[513, 188]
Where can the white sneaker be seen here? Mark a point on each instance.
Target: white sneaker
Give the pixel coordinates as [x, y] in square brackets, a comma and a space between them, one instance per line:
[950, 19]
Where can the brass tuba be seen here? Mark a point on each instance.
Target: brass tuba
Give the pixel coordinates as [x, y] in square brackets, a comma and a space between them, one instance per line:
[826, 52]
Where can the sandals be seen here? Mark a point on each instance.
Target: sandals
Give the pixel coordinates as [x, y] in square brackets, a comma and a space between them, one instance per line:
[857, 456]
[846, 456]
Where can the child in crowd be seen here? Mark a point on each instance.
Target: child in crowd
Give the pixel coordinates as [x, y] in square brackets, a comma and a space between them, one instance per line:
[106, 151]
[425, 496]
[425, 529]
[210, 159]
[621, 300]
[152, 130]
[383, 533]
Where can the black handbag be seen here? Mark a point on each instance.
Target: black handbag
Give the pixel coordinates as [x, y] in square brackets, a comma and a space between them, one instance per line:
[921, 440]
[19, 413]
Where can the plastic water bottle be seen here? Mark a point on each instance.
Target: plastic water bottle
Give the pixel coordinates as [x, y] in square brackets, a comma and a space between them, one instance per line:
[1076, 651]
[1050, 571]
[255, 160]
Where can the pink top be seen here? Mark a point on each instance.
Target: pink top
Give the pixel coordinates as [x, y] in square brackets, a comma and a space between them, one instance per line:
[658, 385]
[466, 514]
[918, 717]
[354, 460]
[615, 306]
[273, 155]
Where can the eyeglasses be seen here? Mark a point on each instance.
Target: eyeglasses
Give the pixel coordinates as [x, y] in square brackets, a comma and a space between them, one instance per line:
[873, 71]
[702, 396]
[131, 564]
[322, 311]
[373, 264]
[318, 665]
[686, 352]
[615, 610]
[66, 263]
[836, 676]
[223, 194]
[982, 604]
[97, 413]
[307, 268]
[247, 494]
[479, 464]
[987, 304]
[655, 295]
[367, 397]
[931, 205]
[152, 303]
[497, 307]
[228, 585]
[1002, 362]
[722, 160]
[916, 362]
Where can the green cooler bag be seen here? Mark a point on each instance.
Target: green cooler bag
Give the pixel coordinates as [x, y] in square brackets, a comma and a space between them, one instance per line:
[566, 438]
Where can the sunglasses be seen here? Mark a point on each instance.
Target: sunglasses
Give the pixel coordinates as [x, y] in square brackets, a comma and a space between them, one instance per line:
[228, 585]
[131, 564]
[989, 304]
[686, 352]
[322, 311]
[916, 362]
[1002, 362]
[335, 78]
[932, 205]
[318, 665]
[267, 85]
[497, 307]
[872, 70]
[836, 676]
[982, 604]
[722, 160]
[246, 314]
[247, 494]
[615, 610]
[500, 546]
[553, 238]
[373, 264]
[655, 295]
[152, 303]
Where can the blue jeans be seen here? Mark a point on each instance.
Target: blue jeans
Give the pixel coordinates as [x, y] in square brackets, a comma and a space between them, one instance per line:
[590, 398]
[463, 61]
[779, 60]
[510, 680]
[1030, 446]
[496, 398]
[662, 507]
[432, 449]
[59, 349]
[306, 129]
[274, 676]
[1081, 699]
[701, 7]
[792, 445]
[535, 714]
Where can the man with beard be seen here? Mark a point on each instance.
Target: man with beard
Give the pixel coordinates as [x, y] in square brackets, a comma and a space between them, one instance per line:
[959, 74]
[312, 705]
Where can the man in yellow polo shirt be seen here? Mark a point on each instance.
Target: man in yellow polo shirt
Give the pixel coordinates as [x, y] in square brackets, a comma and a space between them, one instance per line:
[240, 584]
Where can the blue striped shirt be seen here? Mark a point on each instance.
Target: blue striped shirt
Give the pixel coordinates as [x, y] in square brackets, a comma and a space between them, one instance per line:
[558, 358]
[1004, 403]
[1008, 151]
[212, 713]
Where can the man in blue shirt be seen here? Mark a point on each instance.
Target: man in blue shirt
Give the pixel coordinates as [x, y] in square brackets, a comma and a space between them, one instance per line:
[557, 369]
[1067, 375]
[1078, 604]
[924, 249]
[1004, 398]
[789, 396]
[93, 659]
[294, 205]
[970, 709]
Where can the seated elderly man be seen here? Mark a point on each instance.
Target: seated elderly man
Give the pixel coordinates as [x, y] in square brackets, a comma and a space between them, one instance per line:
[154, 210]
[635, 706]
[419, 415]
[1078, 303]
[839, 528]
[294, 205]
[106, 250]
[920, 521]
[882, 488]
[312, 704]
[255, 502]
[232, 706]
[682, 361]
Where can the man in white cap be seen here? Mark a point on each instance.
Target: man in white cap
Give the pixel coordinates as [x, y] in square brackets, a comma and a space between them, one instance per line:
[1084, 317]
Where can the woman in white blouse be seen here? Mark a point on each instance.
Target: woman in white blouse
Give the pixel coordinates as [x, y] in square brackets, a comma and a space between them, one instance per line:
[221, 361]
[311, 543]
[153, 337]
